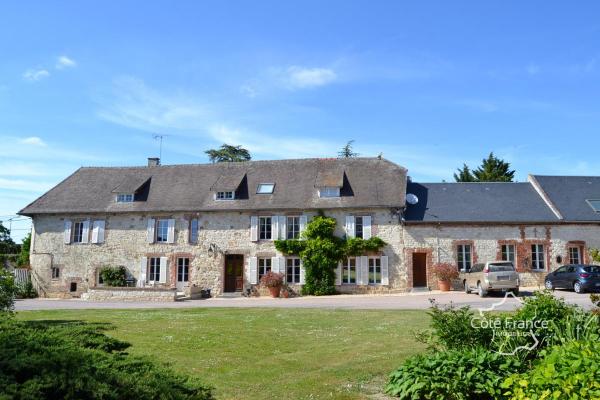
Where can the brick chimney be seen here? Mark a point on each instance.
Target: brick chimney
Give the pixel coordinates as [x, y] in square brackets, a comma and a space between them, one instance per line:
[153, 161]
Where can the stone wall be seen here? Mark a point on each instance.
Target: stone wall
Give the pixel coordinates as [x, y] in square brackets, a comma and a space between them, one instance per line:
[129, 294]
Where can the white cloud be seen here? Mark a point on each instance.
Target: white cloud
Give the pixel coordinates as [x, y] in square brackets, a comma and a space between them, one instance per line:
[296, 77]
[34, 75]
[24, 185]
[34, 141]
[63, 62]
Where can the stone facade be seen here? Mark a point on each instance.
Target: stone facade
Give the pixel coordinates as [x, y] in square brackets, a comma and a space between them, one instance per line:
[129, 294]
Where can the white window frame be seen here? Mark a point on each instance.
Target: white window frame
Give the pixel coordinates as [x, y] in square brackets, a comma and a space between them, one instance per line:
[265, 188]
[375, 271]
[294, 277]
[347, 268]
[329, 192]
[538, 257]
[464, 263]
[262, 221]
[75, 234]
[595, 204]
[125, 198]
[511, 250]
[225, 195]
[160, 228]
[153, 270]
[183, 269]
[292, 230]
[264, 265]
[571, 258]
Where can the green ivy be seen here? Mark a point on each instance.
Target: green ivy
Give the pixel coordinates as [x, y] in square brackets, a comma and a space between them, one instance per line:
[114, 276]
[321, 251]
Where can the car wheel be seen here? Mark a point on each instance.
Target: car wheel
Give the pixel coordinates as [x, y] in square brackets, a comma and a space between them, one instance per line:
[577, 287]
[549, 285]
[467, 290]
[481, 291]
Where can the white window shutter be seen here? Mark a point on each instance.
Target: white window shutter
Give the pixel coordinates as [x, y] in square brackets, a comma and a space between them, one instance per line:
[385, 279]
[163, 270]
[338, 274]
[303, 222]
[94, 232]
[101, 227]
[252, 271]
[282, 266]
[85, 232]
[275, 264]
[274, 227]
[67, 231]
[150, 230]
[254, 228]
[302, 273]
[282, 227]
[350, 226]
[364, 270]
[171, 231]
[367, 227]
[98, 232]
[143, 267]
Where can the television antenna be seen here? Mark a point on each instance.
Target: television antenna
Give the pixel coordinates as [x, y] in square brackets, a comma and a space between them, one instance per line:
[159, 137]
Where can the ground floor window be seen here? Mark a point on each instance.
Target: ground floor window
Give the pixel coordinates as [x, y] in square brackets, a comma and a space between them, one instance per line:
[154, 269]
[574, 255]
[463, 255]
[538, 261]
[292, 273]
[264, 266]
[349, 270]
[508, 252]
[183, 269]
[374, 270]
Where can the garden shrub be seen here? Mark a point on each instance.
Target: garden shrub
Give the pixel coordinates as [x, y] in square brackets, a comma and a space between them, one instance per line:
[114, 276]
[464, 374]
[58, 360]
[570, 371]
[25, 290]
[8, 290]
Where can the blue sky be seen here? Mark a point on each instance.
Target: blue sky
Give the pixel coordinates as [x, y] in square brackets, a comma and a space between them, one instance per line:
[429, 84]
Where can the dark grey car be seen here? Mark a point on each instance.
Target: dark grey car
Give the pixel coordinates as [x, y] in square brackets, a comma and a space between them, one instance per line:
[579, 277]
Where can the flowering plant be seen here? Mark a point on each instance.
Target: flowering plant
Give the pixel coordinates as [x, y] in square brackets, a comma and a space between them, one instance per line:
[445, 272]
[271, 279]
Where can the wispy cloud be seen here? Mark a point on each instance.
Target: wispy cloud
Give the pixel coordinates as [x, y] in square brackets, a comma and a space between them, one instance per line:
[35, 74]
[297, 77]
[63, 62]
[34, 141]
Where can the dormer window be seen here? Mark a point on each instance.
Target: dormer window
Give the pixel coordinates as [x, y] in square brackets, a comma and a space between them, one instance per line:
[124, 198]
[225, 196]
[329, 191]
[595, 204]
[265, 188]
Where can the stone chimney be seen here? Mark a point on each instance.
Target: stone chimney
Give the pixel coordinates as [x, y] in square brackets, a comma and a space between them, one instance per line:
[153, 161]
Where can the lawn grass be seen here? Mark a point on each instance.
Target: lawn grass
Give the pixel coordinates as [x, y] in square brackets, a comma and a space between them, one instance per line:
[268, 353]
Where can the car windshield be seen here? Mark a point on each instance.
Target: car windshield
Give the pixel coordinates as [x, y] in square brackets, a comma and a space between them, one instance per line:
[501, 267]
[592, 268]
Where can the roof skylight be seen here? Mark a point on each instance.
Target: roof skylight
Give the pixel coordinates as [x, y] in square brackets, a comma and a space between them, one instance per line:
[595, 204]
[265, 188]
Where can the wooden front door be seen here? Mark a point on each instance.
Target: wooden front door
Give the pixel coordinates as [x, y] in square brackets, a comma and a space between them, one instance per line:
[419, 269]
[234, 272]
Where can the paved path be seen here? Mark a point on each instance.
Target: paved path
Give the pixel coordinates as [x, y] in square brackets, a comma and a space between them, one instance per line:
[413, 301]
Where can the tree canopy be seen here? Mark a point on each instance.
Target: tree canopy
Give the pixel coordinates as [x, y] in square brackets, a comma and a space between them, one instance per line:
[347, 151]
[492, 169]
[7, 245]
[227, 153]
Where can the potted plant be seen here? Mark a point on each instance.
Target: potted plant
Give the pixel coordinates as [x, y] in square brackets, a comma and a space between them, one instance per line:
[445, 273]
[273, 281]
[285, 291]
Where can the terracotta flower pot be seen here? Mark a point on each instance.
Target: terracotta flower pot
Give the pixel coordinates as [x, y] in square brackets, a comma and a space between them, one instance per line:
[275, 291]
[444, 286]
[285, 294]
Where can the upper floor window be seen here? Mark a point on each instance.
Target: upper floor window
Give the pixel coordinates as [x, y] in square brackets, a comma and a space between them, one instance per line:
[162, 230]
[463, 255]
[77, 232]
[329, 191]
[225, 195]
[124, 198]
[293, 228]
[595, 204]
[265, 188]
[264, 228]
[194, 230]
[358, 227]
[55, 272]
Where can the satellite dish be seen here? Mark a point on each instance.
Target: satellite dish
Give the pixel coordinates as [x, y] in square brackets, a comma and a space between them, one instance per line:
[412, 199]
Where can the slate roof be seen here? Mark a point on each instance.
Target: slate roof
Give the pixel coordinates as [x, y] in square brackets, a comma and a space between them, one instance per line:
[477, 202]
[569, 195]
[368, 182]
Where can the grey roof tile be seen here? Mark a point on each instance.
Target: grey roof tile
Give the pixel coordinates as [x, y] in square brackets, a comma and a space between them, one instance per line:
[569, 195]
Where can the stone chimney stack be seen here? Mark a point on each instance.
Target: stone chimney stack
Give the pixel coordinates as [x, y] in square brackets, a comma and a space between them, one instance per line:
[153, 161]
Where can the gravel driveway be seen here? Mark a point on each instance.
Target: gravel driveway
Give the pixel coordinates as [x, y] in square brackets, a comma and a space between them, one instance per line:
[412, 301]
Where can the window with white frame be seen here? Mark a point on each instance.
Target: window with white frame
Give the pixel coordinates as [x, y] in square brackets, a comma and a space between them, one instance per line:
[293, 227]
[374, 270]
[463, 257]
[574, 255]
[538, 261]
[358, 227]
[183, 269]
[329, 191]
[264, 228]
[508, 252]
[77, 232]
[264, 266]
[265, 188]
[125, 198]
[349, 270]
[225, 195]
[154, 269]
[55, 273]
[162, 230]
[194, 230]
[292, 270]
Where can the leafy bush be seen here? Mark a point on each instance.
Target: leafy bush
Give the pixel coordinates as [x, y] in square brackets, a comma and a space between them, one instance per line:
[26, 291]
[580, 325]
[76, 361]
[114, 276]
[8, 290]
[272, 279]
[455, 374]
[445, 272]
[570, 371]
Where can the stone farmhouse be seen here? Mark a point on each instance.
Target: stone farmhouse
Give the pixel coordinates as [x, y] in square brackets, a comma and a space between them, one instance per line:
[193, 228]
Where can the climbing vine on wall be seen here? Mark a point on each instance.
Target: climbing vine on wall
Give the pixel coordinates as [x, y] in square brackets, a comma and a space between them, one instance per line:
[321, 251]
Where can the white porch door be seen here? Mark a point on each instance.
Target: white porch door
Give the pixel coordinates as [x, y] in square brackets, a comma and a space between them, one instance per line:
[183, 273]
